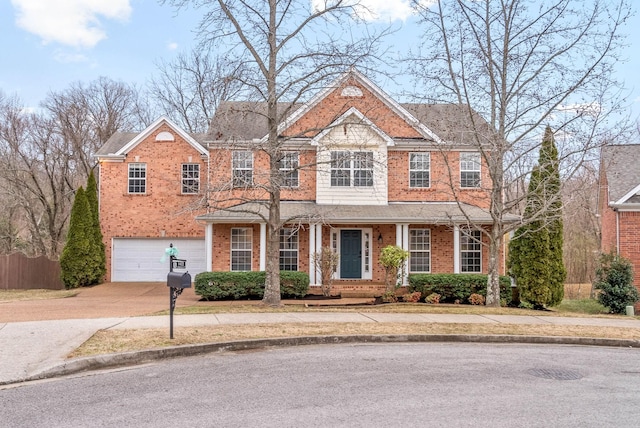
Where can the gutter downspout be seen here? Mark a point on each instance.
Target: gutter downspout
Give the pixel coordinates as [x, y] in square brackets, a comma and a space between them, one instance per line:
[617, 232]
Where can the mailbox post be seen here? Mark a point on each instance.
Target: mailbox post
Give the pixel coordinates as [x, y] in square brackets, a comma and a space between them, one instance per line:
[176, 281]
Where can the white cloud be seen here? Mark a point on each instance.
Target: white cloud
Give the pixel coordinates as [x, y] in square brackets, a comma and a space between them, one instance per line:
[172, 46]
[75, 23]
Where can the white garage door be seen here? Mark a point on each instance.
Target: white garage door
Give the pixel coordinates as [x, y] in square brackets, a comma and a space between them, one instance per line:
[145, 260]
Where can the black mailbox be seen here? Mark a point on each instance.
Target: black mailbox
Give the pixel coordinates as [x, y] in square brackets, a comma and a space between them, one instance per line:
[179, 280]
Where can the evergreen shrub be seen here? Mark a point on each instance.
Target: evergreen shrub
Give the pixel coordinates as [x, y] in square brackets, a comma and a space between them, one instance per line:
[614, 280]
[456, 287]
[248, 285]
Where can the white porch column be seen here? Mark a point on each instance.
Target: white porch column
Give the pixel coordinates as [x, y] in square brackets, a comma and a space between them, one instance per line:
[208, 245]
[399, 235]
[318, 240]
[456, 249]
[263, 246]
[312, 250]
[405, 246]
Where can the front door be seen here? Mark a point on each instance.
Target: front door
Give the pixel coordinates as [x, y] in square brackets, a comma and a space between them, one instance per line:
[350, 254]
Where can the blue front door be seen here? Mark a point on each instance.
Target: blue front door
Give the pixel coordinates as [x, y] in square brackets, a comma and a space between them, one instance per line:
[350, 254]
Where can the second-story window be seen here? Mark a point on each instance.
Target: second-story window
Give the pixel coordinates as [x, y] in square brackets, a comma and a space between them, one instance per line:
[419, 166]
[190, 178]
[137, 177]
[351, 169]
[469, 169]
[242, 166]
[289, 169]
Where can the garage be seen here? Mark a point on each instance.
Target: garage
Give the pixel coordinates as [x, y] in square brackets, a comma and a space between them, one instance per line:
[144, 260]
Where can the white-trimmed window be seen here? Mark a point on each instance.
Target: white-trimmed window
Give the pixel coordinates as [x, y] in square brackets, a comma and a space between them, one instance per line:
[190, 178]
[242, 166]
[470, 251]
[419, 168]
[469, 169]
[419, 250]
[137, 177]
[289, 169]
[241, 248]
[351, 169]
[288, 249]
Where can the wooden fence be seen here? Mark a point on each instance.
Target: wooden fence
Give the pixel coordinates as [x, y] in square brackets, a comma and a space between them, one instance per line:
[20, 272]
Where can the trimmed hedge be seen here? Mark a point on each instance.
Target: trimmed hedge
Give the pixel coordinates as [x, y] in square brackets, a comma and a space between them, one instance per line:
[452, 287]
[248, 285]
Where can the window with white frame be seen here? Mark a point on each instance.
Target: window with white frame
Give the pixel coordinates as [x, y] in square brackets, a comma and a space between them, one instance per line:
[470, 251]
[419, 166]
[469, 169]
[190, 178]
[289, 169]
[242, 166]
[351, 169]
[288, 249]
[419, 250]
[137, 177]
[241, 248]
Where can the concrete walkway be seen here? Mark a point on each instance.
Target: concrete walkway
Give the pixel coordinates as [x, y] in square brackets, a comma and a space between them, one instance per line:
[33, 349]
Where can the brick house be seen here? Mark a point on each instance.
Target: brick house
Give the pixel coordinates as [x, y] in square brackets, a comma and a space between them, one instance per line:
[619, 203]
[359, 172]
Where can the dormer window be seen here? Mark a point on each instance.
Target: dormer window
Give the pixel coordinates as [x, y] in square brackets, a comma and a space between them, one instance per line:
[351, 169]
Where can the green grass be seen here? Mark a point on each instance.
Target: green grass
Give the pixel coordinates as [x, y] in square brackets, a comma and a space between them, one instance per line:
[581, 306]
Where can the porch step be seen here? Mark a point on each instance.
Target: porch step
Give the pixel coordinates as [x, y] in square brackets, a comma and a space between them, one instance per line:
[361, 293]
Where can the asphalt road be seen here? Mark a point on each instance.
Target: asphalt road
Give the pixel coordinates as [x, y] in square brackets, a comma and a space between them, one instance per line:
[357, 385]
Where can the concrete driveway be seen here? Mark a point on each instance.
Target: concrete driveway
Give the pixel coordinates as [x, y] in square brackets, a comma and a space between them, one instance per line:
[115, 299]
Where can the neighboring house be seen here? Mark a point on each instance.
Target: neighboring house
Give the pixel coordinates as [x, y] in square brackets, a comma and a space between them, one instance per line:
[360, 172]
[619, 203]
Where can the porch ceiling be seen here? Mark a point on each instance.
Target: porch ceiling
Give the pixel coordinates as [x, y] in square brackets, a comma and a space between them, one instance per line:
[310, 212]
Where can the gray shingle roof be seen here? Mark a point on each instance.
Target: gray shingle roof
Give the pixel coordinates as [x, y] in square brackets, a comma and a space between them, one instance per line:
[426, 212]
[115, 143]
[621, 164]
[247, 121]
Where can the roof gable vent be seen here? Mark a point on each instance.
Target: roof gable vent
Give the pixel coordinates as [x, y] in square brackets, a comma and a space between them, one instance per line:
[165, 136]
[351, 91]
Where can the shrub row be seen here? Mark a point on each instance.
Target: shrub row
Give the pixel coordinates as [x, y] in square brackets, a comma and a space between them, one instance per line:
[460, 287]
[247, 285]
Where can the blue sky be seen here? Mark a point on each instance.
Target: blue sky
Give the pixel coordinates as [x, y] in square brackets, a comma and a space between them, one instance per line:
[48, 44]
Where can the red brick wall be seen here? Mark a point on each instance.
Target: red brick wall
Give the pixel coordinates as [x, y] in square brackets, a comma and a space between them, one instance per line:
[443, 166]
[163, 207]
[630, 242]
[334, 105]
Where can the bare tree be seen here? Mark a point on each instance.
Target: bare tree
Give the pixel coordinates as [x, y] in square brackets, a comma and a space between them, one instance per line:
[189, 89]
[36, 175]
[523, 64]
[87, 115]
[45, 156]
[289, 49]
[581, 225]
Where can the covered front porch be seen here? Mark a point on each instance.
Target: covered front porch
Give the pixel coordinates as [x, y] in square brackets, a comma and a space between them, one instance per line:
[432, 233]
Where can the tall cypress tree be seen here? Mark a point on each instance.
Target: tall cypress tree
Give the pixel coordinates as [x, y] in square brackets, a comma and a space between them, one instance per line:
[535, 252]
[80, 259]
[92, 198]
[550, 176]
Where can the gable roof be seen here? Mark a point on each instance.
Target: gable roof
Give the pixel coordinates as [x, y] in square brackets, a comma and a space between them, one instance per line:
[120, 143]
[357, 77]
[621, 165]
[361, 119]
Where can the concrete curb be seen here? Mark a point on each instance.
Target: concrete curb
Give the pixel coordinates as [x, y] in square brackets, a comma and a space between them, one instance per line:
[124, 359]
